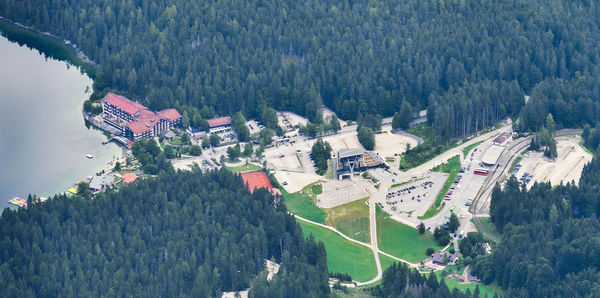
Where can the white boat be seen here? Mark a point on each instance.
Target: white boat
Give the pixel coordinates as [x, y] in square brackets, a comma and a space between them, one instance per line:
[89, 156]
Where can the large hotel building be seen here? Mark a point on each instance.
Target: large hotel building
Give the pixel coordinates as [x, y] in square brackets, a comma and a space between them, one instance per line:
[135, 120]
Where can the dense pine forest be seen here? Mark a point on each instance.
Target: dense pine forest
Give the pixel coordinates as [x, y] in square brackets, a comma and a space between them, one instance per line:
[550, 243]
[181, 234]
[469, 63]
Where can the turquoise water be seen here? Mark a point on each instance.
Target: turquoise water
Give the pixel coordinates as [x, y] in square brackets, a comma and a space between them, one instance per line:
[43, 137]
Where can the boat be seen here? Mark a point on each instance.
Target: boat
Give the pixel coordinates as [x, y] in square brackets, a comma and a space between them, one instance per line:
[89, 156]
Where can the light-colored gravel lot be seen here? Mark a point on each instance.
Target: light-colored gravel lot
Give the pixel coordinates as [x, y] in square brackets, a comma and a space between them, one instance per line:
[566, 168]
[387, 144]
[295, 181]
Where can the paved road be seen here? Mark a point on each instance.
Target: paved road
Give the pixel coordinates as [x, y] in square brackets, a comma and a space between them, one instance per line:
[504, 162]
[373, 229]
[427, 166]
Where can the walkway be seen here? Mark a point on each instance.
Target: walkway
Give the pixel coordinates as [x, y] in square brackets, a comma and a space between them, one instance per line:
[374, 248]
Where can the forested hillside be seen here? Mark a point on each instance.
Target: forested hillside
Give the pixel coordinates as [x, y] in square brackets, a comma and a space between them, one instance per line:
[357, 57]
[181, 234]
[550, 243]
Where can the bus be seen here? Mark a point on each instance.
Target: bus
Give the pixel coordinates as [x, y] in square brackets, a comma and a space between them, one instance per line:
[480, 171]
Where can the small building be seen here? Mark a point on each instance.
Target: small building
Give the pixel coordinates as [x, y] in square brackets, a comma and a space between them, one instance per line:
[219, 125]
[169, 135]
[129, 177]
[438, 258]
[100, 183]
[502, 138]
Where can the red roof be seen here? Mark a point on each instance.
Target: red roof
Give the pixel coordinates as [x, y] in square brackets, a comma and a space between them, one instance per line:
[129, 177]
[125, 104]
[139, 127]
[170, 114]
[219, 121]
[146, 116]
[258, 180]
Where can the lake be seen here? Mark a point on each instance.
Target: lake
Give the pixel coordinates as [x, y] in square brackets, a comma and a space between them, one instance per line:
[43, 136]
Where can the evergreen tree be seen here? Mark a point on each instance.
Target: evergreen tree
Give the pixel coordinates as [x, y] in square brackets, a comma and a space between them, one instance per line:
[366, 137]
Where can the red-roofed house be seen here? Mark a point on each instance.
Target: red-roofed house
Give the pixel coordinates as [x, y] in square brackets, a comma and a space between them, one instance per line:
[118, 110]
[218, 125]
[129, 177]
[135, 120]
[259, 179]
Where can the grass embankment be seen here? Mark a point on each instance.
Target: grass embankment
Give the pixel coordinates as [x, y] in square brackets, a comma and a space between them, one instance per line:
[468, 149]
[402, 241]
[405, 182]
[245, 168]
[366, 175]
[329, 173]
[432, 146]
[451, 167]
[303, 203]
[489, 227]
[514, 164]
[352, 219]
[342, 255]
[490, 289]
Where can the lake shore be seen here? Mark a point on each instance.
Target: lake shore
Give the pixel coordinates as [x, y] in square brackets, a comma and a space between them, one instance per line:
[45, 154]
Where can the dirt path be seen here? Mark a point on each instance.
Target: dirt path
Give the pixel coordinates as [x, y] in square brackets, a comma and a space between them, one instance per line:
[374, 249]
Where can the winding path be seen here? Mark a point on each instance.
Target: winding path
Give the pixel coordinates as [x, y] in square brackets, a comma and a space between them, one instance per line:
[374, 248]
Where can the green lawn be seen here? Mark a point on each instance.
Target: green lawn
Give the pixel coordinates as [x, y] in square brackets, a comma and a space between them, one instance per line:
[490, 289]
[175, 141]
[352, 219]
[452, 167]
[245, 168]
[303, 204]
[342, 255]
[401, 240]
[317, 189]
[468, 149]
[386, 261]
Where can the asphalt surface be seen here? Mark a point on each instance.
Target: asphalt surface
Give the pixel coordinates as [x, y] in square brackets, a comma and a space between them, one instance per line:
[504, 162]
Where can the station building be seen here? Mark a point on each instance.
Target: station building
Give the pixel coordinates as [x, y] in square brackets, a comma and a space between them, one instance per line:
[134, 120]
[491, 156]
[353, 161]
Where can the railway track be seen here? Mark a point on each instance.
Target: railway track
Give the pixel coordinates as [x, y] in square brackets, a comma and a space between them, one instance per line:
[505, 160]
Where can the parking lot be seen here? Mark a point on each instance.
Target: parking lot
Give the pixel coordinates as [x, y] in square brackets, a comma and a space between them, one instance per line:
[565, 168]
[336, 193]
[379, 174]
[414, 198]
[253, 126]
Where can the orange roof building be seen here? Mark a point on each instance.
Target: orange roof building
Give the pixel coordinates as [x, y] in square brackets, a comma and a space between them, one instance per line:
[259, 179]
[129, 177]
[135, 120]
